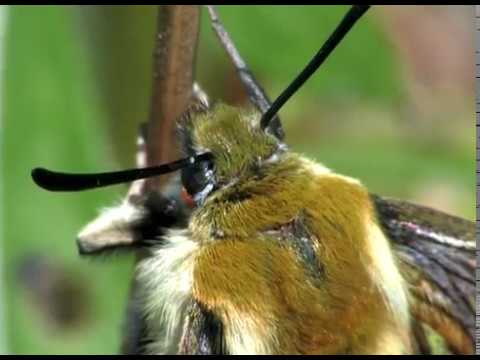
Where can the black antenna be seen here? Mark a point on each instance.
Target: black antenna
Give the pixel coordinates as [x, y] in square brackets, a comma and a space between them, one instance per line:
[57, 181]
[355, 12]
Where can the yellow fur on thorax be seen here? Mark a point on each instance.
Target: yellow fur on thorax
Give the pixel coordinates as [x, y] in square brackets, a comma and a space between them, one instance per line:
[260, 290]
[257, 285]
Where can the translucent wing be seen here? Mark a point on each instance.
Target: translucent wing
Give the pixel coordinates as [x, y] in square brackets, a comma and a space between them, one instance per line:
[436, 252]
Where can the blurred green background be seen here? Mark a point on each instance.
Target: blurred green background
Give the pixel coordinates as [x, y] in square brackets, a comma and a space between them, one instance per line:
[393, 107]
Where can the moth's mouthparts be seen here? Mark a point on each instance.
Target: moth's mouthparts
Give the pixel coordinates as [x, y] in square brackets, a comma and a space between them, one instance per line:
[58, 181]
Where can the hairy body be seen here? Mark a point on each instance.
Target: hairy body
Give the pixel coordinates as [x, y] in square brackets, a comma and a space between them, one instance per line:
[286, 254]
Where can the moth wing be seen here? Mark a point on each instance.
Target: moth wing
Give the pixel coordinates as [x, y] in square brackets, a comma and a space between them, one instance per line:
[202, 333]
[436, 254]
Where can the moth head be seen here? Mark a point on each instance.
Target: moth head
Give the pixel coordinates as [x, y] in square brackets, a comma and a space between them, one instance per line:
[237, 145]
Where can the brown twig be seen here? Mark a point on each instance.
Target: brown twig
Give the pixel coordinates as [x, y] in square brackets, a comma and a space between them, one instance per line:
[173, 73]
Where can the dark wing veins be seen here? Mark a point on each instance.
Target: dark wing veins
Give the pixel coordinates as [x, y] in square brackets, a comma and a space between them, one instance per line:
[437, 258]
[202, 334]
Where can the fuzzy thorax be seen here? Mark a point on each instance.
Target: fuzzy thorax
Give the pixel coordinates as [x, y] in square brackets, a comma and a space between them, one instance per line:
[359, 303]
[259, 288]
[235, 261]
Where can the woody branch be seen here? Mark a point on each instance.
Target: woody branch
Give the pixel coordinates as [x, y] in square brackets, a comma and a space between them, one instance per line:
[173, 73]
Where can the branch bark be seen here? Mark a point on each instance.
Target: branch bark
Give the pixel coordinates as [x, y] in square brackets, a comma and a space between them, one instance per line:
[173, 73]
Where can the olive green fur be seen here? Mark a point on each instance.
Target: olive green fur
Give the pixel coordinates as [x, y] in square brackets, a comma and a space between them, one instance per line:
[240, 144]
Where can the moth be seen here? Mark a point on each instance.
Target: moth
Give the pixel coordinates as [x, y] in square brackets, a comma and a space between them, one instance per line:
[268, 252]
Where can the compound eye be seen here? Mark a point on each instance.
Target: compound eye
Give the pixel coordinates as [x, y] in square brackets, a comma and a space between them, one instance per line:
[198, 177]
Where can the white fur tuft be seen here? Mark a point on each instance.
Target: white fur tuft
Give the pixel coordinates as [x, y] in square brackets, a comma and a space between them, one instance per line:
[110, 228]
[167, 278]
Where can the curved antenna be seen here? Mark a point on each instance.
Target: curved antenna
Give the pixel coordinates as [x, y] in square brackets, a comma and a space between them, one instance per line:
[255, 92]
[58, 181]
[355, 12]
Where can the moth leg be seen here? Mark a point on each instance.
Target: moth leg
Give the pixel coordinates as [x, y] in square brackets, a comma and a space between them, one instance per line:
[200, 95]
[255, 92]
[138, 187]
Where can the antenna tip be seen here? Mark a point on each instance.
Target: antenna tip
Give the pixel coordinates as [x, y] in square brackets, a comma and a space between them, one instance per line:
[39, 175]
[50, 180]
